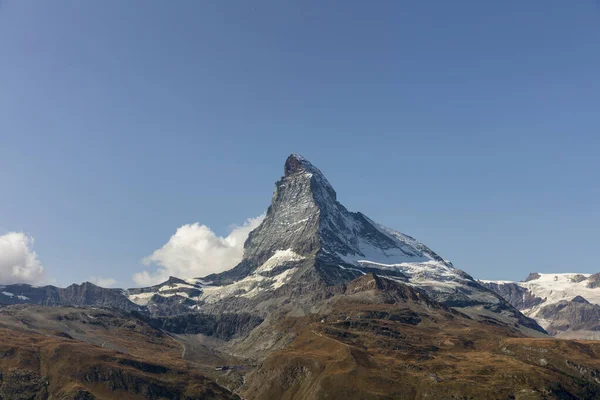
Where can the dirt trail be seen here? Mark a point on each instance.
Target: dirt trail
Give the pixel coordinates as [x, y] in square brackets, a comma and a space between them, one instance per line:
[327, 337]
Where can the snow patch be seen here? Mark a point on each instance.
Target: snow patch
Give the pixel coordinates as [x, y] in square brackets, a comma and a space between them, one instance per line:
[249, 287]
[141, 299]
[176, 286]
[554, 288]
[281, 257]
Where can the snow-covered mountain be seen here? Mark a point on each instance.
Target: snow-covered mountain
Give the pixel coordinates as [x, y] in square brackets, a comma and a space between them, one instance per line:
[307, 247]
[566, 304]
[307, 244]
[307, 231]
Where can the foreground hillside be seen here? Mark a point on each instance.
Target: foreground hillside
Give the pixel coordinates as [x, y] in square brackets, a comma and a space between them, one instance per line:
[85, 354]
[382, 340]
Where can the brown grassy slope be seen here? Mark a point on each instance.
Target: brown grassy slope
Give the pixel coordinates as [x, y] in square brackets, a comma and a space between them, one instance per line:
[113, 330]
[377, 344]
[36, 366]
[67, 352]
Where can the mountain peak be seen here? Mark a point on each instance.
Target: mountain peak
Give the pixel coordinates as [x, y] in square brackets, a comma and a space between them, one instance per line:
[305, 221]
[580, 299]
[299, 169]
[296, 163]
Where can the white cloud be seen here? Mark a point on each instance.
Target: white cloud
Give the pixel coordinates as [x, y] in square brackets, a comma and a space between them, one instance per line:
[196, 251]
[101, 281]
[18, 261]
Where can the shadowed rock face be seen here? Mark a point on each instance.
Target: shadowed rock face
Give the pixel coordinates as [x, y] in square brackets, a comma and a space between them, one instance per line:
[594, 281]
[532, 276]
[578, 278]
[565, 303]
[517, 296]
[306, 217]
[579, 299]
[221, 326]
[86, 294]
[575, 315]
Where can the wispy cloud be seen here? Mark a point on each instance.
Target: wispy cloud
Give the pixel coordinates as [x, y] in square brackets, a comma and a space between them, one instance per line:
[195, 251]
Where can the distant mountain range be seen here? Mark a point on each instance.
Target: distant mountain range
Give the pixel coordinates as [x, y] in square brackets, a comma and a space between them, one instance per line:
[566, 305]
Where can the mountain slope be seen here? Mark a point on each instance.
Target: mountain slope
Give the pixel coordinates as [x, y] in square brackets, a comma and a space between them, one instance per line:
[305, 221]
[89, 353]
[86, 294]
[307, 244]
[565, 304]
[381, 339]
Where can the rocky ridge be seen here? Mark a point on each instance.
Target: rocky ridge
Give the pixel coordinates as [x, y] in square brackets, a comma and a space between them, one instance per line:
[566, 304]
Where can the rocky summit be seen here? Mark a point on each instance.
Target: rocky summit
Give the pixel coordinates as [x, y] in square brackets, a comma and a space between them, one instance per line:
[308, 244]
[325, 303]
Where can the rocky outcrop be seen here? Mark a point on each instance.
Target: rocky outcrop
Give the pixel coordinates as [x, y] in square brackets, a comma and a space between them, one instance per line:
[574, 315]
[519, 297]
[22, 384]
[388, 291]
[564, 303]
[86, 294]
[593, 281]
[532, 276]
[578, 278]
[221, 326]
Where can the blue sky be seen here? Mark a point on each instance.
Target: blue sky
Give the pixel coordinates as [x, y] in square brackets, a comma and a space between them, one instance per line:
[472, 126]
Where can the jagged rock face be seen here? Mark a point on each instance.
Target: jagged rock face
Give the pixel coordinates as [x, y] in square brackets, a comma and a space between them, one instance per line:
[593, 281]
[293, 218]
[86, 294]
[532, 276]
[388, 291]
[519, 297]
[579, 299]
[575, 315]
[306, 219]
[578, 278]
[89, 294]
[561, 303]
[221, 326]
